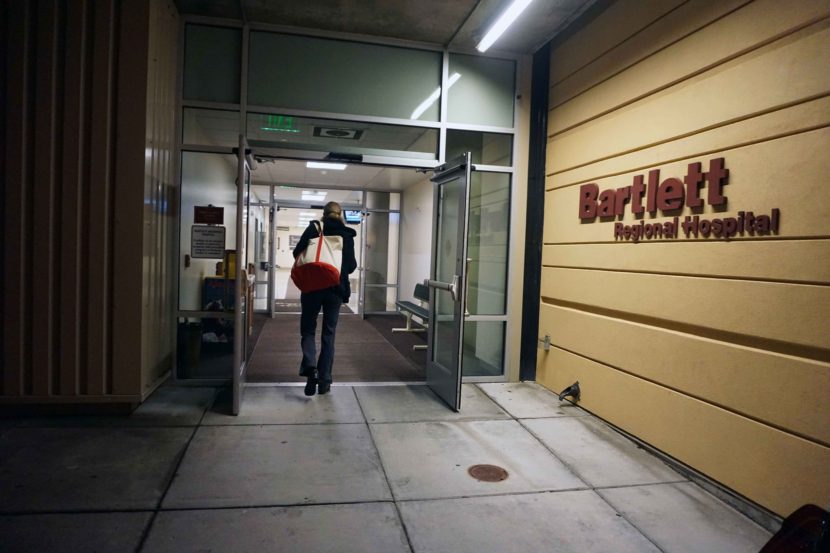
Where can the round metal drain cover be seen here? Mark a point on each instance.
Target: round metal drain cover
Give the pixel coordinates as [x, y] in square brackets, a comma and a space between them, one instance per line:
[488, 473]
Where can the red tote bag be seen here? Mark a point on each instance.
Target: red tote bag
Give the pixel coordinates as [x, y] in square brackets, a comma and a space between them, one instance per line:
[318, 266]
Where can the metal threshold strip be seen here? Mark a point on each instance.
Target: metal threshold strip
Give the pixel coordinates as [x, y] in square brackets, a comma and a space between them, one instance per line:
[335, 384]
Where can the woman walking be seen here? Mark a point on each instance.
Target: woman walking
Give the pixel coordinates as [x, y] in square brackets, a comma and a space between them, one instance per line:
[318, 370]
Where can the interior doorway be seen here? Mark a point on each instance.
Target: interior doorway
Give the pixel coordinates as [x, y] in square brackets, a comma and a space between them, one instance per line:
[286, 195]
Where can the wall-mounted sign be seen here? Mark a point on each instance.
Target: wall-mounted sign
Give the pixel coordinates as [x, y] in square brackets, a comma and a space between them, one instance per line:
[669, 197]
[208, 215]
[293, 240]
[207, 242]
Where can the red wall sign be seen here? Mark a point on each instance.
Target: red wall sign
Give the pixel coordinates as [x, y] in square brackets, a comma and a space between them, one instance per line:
[208, 215]
[669, 197]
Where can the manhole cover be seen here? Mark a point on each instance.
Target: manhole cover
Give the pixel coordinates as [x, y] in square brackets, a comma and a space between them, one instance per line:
[488, 473]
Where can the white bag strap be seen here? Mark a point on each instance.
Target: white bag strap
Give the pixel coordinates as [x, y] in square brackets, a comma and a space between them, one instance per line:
[319, 242]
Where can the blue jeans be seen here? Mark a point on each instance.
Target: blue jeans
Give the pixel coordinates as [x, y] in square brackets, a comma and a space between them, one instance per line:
[311, 302]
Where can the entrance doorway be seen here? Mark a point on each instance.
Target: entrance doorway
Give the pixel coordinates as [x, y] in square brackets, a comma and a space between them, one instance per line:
[288, 194]
[281, 210]
[393, 209]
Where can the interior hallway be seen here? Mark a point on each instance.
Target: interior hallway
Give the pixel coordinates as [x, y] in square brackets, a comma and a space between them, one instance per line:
[363, 469]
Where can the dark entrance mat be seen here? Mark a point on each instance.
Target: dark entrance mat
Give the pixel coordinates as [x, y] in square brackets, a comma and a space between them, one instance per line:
[362, 353]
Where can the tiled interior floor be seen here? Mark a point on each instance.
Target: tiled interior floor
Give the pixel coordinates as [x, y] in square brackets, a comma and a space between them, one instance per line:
[363, 469]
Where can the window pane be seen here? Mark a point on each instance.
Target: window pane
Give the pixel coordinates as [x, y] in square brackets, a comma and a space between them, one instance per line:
[291, 136]
[318, 74]
[487, 242]
[487, 148]
[483, 348]
[207, 179]
[210, 127]
[483, 92]
[205, 347]
[380, 299]
[381, 236]
[212, 64]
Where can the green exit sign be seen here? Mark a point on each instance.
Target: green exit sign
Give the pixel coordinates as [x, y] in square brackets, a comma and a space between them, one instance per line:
[280, 123]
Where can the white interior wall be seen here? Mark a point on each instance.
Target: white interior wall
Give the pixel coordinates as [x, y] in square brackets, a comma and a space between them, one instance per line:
[206, 179]
[416, 237]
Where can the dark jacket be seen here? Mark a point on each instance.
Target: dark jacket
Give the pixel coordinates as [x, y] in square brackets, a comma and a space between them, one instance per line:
[334, 227]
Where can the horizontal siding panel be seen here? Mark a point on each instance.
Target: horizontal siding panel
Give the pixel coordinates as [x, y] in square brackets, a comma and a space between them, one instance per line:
[784, 70]
[781, 390]
[774, 468]
[672, 27]
[787, 121]
[794, 313]
[742, 31]
[612, 27]
[788, 173]
[795, 261]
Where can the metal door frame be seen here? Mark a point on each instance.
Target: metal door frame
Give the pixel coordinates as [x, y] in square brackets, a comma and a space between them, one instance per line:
[246, 164]
[457, 168]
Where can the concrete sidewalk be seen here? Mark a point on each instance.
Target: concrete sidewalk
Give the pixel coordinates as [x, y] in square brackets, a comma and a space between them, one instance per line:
[363, 469]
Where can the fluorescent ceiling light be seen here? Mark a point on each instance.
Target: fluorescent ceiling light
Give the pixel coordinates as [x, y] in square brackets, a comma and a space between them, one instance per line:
[316, 196]
[321, 165]
[432, 98]
[507, 18]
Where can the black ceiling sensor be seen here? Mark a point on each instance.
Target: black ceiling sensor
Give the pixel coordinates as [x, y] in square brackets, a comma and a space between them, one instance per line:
[347, 158]
[335, 132]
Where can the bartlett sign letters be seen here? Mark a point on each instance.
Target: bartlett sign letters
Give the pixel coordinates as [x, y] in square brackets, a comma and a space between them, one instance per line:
[669, 197]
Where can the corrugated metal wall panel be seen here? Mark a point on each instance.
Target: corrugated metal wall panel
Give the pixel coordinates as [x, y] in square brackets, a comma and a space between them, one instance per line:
[158, 300]
[76, 132]
[74, 124]
[16, 235]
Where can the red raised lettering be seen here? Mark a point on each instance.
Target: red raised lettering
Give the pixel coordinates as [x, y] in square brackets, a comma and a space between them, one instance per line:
[693, 180]
[606, 203]
[717, 177]
[588, 200]
[670, 194]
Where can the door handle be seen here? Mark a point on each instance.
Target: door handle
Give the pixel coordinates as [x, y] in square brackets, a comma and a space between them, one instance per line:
[467, 286]
[451, 287]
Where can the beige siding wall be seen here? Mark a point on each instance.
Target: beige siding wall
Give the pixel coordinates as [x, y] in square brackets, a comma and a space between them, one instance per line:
[716, 352]
[74, 164]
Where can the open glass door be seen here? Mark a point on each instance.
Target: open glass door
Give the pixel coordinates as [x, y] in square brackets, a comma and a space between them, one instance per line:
[448, 275]
[380, 235]
[240, 268]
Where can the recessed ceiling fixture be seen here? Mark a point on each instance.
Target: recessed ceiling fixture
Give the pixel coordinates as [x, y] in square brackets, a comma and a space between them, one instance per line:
[313, 196]
[502, 23]
[305, 217]
[321, 165]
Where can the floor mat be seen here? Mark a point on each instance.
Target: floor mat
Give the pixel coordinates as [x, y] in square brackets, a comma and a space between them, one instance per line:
[362, 353]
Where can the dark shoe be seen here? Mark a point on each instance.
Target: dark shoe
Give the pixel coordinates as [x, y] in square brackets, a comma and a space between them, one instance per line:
[311, 386]
[324, 387]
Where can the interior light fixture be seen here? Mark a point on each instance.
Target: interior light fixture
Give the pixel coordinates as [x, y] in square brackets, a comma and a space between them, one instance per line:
[432, 98]
[321, 165]
[502, 23]
[313, 196]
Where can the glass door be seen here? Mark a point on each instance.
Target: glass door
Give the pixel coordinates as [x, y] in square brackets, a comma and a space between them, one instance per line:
[448, 277]
[380, 241]
[245, 278]
[261, 254]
